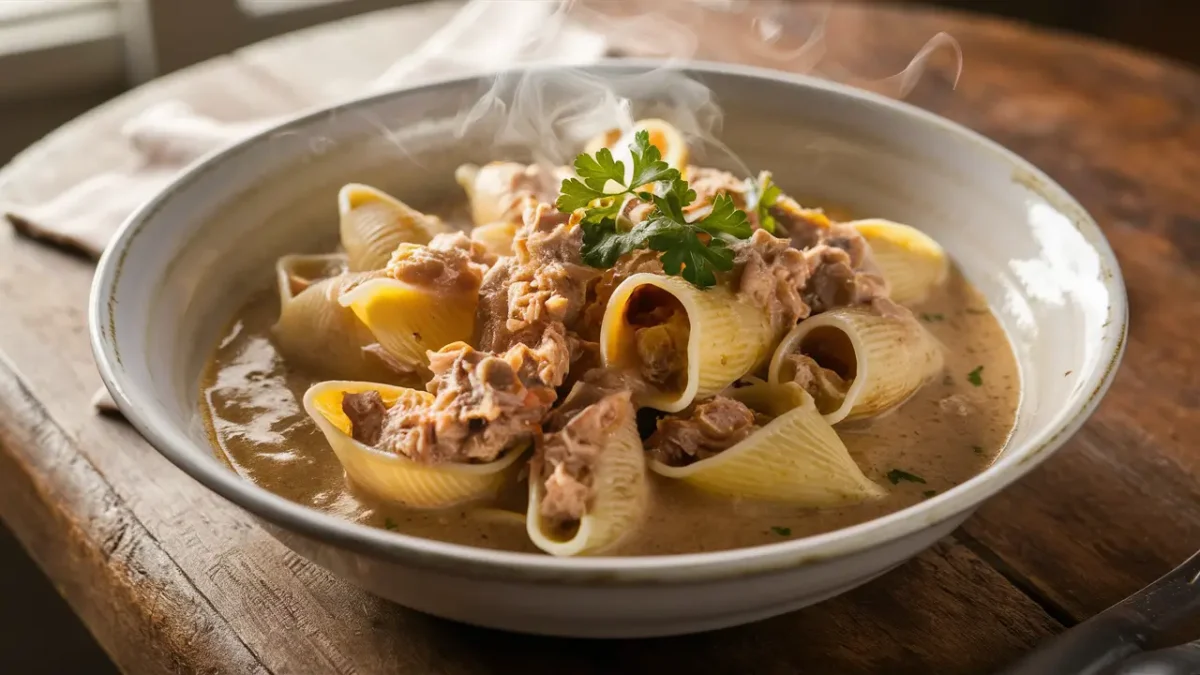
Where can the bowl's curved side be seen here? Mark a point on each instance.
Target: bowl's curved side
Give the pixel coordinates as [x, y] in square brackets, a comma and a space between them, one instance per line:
[169, 280]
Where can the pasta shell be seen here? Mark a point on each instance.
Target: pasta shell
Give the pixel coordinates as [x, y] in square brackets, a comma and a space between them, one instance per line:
[394, 477]
[496, 237]
[911, 262]
[619, 499]
[497, 191]
[294, 273]
[316, 333]
[408, 320]
[726, 338]
[373, 224]
[663, 135]
[885, 358]
[796, 458]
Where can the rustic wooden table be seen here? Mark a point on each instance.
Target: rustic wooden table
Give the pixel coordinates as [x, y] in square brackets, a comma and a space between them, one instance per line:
[172, 579]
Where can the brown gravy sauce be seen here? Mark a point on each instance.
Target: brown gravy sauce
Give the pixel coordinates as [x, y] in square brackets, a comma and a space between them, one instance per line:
[948, 432]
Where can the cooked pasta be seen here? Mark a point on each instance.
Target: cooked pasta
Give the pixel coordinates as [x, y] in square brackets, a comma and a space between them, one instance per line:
[587, 485]
[374, 223]
[630, 355]
[682, 342]
[912, 262]
[795, 457]
[389, 475]
[857, 363]
[424, 300]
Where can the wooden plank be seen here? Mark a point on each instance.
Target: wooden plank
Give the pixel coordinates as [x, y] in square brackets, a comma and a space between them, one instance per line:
[128, 590]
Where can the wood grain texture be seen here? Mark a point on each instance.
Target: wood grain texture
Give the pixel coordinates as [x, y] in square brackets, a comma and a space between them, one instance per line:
[172, 579]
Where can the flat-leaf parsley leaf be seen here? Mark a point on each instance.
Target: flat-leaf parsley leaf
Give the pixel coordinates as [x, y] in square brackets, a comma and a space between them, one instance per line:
[975, 377]
[694, 250]
[761, 196]
[896, 475]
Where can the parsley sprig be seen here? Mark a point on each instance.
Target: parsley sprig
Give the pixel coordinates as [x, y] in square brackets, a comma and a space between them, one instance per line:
[694, 250]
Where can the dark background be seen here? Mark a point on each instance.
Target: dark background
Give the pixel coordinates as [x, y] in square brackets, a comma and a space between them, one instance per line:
[38, 632]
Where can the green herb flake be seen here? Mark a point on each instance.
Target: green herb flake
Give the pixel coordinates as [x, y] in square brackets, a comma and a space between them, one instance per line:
[976, 310]
[389, 524]
[930, 493]
[896, 475]
[975, 377]
[695, 251]
[932, 317]
[761, 195]
[781, 531]
[978, 449]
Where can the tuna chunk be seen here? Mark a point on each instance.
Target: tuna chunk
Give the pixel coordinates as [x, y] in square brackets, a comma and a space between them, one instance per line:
[705, 430]
[579, 429]
[482, 406]
[541, 287]
[366, 413]
[827, 388]
[771, 274]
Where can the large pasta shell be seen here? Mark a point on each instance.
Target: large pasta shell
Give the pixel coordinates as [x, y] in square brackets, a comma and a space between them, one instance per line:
[911, 262]
[296, 272]
[497, 191]
[408, 320]
[315, 332]
[727, 339]
[373, 223]
[496, 237]
[394, 477]
[619, 500]
[796, 458]
[663, 135]
[886, 357]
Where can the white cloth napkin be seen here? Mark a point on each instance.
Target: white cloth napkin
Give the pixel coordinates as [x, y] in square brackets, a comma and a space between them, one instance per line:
[483, 35]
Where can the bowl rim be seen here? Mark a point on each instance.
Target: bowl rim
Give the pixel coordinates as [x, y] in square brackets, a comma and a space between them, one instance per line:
[470, 561]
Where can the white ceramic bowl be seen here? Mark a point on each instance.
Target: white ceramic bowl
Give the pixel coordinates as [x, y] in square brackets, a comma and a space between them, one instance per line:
[179, 268]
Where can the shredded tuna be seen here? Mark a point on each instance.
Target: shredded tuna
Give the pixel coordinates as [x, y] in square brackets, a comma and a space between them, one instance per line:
[579, 428]
[548, 235]
[366, 413]
[804, 227]
[662, 349]
[448, 268]
[827, 388]
[543, 286]
[705, 430]
[708, 183]
[602, 287]
[482, 406]
[476, 251]
[771, 274]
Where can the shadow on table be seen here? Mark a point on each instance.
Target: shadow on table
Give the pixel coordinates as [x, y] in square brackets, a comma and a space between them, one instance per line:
[39, 634]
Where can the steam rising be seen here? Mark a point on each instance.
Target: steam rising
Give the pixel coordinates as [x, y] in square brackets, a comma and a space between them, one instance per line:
[551, 112]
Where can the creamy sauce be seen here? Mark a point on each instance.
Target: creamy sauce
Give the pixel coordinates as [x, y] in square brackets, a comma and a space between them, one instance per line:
[951, 430]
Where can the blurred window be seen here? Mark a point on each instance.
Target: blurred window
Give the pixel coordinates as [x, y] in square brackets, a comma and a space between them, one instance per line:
[50, 47]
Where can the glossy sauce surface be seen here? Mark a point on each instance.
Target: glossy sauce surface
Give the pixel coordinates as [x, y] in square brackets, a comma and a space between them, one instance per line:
[948, 432]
